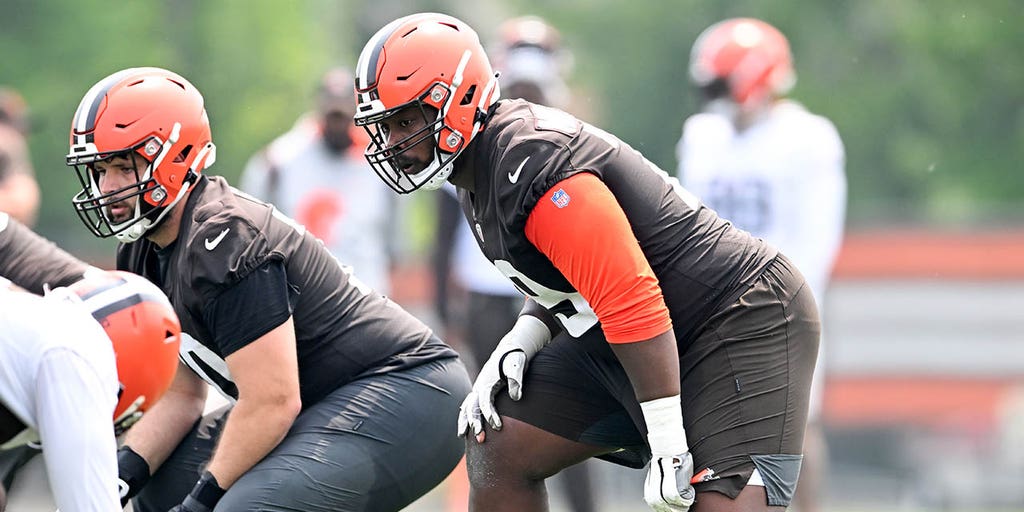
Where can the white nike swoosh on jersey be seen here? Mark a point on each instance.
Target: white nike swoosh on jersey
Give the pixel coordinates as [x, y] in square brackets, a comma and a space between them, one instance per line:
[514, 176]
[212, 244]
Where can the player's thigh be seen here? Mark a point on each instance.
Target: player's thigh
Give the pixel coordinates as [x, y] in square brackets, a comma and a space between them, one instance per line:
[374, 444]
[522, 452]
[746, 384]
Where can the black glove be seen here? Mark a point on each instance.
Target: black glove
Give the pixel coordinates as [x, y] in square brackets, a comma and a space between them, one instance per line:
[204, 495]
[132, 473]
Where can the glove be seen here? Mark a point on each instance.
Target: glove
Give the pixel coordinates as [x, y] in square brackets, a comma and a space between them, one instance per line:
[204, 495]
[129, 417]
[132, 473]
[667, 487]
[506, 366]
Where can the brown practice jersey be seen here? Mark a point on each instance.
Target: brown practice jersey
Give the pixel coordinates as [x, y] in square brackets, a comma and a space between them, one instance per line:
[31, 261]
[344, 330]
[700, 261]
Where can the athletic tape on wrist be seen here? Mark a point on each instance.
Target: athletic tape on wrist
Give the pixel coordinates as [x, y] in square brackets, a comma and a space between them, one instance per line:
[529, 334]
[665, 432]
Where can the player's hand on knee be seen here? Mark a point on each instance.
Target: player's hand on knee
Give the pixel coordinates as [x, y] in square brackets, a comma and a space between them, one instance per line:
[668, 488]
[505, 367]
[479, 405]
[469, 415]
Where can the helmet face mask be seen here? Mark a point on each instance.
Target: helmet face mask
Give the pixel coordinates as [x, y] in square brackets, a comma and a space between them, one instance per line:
[93, 206]
[388, 157]
[150, 113]
[432, 62]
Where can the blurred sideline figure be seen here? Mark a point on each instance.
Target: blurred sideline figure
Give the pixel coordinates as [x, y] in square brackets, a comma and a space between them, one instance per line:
[315, 173]
[772, 168]
[532, 63]
[339, 398]
[64, 377]
[19, 192]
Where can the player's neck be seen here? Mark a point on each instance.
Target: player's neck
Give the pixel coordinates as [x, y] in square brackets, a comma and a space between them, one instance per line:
[463, 175]
[746, 118]
[167, 232]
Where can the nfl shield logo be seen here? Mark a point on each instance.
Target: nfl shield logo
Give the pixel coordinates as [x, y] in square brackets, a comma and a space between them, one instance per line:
[561, 199]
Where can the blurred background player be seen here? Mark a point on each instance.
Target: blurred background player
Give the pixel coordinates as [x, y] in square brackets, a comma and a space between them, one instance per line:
[316, 174]
[533, 64]
[19, 192]
[771, 167]
[65, 378]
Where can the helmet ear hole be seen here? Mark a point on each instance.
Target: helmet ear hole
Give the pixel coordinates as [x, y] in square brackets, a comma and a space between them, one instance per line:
[183, 155]
[467, 99]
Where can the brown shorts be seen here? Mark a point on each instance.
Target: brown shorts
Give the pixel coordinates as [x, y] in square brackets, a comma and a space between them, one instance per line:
[745, 384]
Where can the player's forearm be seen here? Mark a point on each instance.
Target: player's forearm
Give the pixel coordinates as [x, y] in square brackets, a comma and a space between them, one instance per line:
[253, 429]
[652, 365]
[165, 424]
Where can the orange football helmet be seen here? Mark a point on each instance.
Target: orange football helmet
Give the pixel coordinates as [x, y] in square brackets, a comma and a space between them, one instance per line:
[745, 58]
[424, 60]
[158, 115]
[145, 333]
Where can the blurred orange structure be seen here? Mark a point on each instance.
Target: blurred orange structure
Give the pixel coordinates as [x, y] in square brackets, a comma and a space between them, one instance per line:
[970, 402]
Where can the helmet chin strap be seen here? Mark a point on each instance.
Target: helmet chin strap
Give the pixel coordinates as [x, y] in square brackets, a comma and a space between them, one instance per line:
[439, 178]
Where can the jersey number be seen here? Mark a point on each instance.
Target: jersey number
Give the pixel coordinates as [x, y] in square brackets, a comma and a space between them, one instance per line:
[571, 309]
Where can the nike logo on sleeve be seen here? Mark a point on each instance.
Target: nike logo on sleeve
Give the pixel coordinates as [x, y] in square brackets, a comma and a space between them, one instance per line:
[212, 244]
[513, 177]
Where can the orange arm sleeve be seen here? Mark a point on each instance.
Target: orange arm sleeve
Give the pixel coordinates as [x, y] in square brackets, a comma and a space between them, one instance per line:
[581, 228]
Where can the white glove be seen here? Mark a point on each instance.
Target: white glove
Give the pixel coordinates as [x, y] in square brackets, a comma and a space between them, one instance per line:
[506, 366]
[667, 487]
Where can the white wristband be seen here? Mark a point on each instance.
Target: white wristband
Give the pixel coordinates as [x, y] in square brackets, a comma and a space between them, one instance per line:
[665, 432]
[529, 334]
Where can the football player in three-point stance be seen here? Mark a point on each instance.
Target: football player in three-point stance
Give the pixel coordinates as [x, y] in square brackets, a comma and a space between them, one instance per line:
[339, 398]
[104, 348]
[654, 333]
[771, 167]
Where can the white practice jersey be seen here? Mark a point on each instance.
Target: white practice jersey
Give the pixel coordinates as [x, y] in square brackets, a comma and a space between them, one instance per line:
[58, 376]
[782, 179]
[338, 198]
